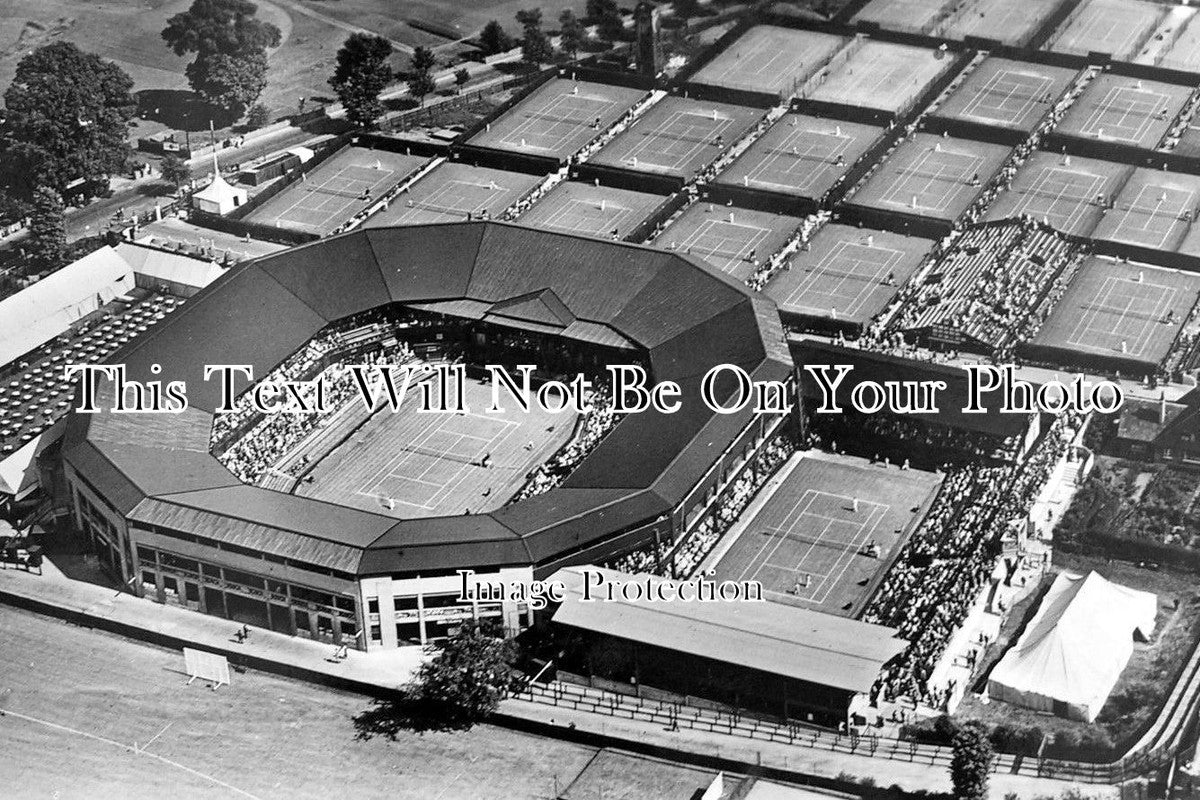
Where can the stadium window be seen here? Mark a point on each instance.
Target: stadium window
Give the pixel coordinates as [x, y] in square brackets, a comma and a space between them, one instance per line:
[344, 603]
[372, 605]
[408, 633]
[376, 633]
[408, 603]
[441, 600]
[177, 564]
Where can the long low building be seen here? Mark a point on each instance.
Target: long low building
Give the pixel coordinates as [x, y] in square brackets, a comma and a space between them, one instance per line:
[170, 521]
[764, 656]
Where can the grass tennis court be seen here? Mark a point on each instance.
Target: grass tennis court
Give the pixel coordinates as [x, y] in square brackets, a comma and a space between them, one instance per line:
[1185, 50]
[453, 193]
[827, 530]
[557, 118]
[933, 176]
[1154, 210]
[346, 183]
[577, 207]
[1116, 27]
[729, 238]
[1063, 191]
[1012, 23]
[678, 136]
[1120, 309]
[768, 58]
[881, 75]
[800, 156]
[411, 464]
[843, 275]
[914, 16]
[1006, 94]
[1117, 108]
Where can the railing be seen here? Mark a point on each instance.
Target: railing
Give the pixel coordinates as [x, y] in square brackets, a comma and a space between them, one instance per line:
[677, 715]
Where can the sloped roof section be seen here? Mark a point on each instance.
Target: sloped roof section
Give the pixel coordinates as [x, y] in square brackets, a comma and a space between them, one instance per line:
[674, 311]
[770, 637]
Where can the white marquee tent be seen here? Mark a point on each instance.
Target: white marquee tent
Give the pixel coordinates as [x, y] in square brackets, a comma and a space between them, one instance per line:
[38, 313]
[1074, 649]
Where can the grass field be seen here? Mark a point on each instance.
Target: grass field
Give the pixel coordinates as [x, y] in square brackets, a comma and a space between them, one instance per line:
[678, 136]
[1003, 20]
[1185, 51]
[767, 58]
[729, 238]
[1116, 27]
[558, 118]
[76, 701]
[453, 192]
[800, 156]
[575, 207]
[1119, 309]
[1116, 108]
[901, 15]
[1006, 94]
[808, 544]
[932, 176]
[843, 275]
[1153, 210]
[881, 75]
[410, 464]
[127, 32]
[1061, 191]
[334, 192]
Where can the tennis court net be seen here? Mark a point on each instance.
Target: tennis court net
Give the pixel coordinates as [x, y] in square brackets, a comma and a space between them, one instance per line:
[442, 455]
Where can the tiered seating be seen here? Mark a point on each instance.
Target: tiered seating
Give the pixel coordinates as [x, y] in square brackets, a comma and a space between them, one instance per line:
[595, 426]
[987, 286]
[949, 558]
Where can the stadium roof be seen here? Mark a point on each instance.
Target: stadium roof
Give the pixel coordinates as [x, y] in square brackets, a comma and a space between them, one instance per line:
[770, 637]
[879, 367]
[682, 315]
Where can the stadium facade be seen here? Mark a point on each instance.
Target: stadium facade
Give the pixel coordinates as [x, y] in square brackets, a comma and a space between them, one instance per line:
[176, 526]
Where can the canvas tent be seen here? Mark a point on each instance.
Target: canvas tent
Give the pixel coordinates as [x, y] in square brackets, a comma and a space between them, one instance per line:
[38, 313]
[1074, 649]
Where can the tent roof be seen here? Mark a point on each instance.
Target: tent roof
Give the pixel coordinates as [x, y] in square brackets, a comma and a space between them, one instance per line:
[1076, 645]
[43, 310]
[219, 190]
[169, 267]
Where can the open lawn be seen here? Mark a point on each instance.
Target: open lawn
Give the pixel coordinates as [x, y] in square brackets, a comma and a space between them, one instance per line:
[128, 32]
[76, 702]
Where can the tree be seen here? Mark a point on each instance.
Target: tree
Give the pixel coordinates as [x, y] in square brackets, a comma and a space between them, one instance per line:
[571, 33]
[465, 681]
[362, 73]
[231, 82]
[606, 16]
[461, 76]
[493, 39]
[685, 9]
[175, 170]
[535, 45]
[420, 75]
[47, 242]
[971, 761]
[230, 44]
[67, 119]
[258, 116]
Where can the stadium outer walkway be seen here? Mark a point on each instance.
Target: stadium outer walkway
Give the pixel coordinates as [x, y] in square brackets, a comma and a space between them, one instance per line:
[93, 605]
